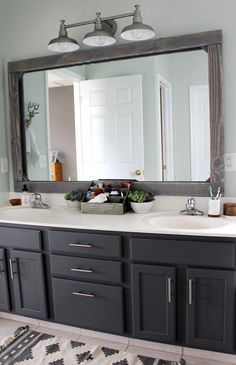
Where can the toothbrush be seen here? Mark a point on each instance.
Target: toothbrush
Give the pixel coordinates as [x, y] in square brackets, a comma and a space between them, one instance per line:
[218, 193]
[210, 191]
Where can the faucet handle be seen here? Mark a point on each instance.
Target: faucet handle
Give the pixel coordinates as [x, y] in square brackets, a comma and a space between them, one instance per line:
[190, 202]
[38, 196]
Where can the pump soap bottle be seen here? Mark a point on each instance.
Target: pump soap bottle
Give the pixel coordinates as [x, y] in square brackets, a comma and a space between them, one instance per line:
[25, 197]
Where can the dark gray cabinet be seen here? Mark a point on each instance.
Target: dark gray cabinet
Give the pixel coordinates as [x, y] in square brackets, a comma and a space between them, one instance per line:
[87, 280]
[210, 306]
[86, 269]
[154, 302]
[210, 309]
[165, 288]
[4, 292]
[203, 298]
[87, 244]
[89, 305]
[26, 273]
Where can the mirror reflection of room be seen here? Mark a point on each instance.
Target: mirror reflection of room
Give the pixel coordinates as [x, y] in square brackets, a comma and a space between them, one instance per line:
[145, 118]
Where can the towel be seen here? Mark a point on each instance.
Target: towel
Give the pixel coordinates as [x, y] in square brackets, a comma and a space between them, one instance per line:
[32, 149]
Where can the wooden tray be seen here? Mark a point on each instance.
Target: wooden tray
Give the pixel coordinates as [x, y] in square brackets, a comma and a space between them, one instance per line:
[107, 207]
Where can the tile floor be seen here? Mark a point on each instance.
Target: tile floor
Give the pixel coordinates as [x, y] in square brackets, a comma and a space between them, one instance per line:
[8, 324]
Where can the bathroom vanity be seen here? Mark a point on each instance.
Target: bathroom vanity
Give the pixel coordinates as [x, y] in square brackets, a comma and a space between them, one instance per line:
[122, 275]
[168, 287]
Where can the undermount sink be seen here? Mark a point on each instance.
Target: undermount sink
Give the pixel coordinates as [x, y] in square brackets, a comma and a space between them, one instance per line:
[184, 222]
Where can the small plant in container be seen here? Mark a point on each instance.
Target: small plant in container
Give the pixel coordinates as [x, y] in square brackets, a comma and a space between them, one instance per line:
[141, 201]
[73, 199]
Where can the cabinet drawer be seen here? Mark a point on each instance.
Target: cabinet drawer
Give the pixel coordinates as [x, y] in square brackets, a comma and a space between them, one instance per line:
[88, 269]
[93, 306]
[85, 243]
[200, 253]
[20, 238]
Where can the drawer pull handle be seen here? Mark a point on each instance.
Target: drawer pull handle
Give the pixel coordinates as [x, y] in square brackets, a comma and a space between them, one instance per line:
[84, 245]
[80, 294]
[169, 290]
[190, 292]
[82, 270]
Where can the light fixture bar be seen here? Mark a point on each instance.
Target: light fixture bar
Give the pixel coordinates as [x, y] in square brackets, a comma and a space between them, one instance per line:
[87, 22]
[102, 35]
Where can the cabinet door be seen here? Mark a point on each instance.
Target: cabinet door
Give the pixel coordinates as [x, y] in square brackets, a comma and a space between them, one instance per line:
[154, 302]
[210, 309]
[26, 271]
[4, 296]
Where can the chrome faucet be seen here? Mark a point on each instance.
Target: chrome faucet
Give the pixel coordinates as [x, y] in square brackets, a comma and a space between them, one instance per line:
[190, 208]
[36, 201]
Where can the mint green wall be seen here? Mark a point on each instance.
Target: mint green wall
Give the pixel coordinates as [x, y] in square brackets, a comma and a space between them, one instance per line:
[35, 91]
[28, 25]
[190, 68]
[4, 177]
[182, 70]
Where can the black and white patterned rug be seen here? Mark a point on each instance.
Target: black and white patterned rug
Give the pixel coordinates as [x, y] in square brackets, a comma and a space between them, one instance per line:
[34, 348]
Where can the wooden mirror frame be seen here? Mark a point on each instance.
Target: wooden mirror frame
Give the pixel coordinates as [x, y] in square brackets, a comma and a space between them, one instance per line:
[210, 41]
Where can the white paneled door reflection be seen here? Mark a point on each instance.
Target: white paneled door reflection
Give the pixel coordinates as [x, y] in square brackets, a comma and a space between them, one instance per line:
[111, 128]
[200, 132]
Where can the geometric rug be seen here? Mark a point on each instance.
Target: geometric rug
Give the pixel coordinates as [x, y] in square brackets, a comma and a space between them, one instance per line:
[35, 348]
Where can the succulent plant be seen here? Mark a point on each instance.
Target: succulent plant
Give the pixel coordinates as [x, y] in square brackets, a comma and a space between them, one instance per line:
[74, 196]
[140, 196]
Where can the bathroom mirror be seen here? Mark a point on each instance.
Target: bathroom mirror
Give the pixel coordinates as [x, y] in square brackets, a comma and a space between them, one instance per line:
[150, 118]
[140, 118]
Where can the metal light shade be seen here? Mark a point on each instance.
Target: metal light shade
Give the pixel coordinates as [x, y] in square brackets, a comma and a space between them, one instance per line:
[63, 43]
[99, 37]
[137, 31]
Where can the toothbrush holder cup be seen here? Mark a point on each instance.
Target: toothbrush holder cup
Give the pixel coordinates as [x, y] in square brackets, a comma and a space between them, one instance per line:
[214, 208]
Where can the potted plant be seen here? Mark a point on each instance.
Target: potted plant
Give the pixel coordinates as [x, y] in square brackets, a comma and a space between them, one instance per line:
[73, 199]
[141, 201]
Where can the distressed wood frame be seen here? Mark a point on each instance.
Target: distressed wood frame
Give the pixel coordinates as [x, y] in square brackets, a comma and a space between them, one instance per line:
[211, 41]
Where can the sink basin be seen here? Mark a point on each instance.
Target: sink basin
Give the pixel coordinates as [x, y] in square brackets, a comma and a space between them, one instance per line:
[184, 222]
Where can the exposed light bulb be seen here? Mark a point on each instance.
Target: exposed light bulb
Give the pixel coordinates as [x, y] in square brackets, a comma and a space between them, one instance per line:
[100, 40]
[63, 46]
[137, 33]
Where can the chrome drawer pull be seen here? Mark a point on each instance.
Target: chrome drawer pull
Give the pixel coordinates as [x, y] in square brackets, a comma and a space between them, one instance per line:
[83, 294]
[169, 290]
[82, 270]
[84, 245]
[190, 292]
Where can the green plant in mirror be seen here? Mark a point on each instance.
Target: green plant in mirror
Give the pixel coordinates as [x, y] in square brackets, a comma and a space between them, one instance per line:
[74, 196]
[32, 110]
[140, 196]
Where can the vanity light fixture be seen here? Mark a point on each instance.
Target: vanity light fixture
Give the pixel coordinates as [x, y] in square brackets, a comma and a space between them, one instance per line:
[103, 34]
[99, 37]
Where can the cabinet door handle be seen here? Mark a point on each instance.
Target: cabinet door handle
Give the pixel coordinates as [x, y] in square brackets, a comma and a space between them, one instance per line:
[190, 292]
[11, 269]
[82, 270]
[169, 290]
[80, 294]
[2, 269]
[84, 245]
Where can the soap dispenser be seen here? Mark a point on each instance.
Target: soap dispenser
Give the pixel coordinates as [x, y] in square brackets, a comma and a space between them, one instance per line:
[25, 197]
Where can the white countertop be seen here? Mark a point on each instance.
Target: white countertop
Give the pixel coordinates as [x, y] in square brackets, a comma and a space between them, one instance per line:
[130, 222]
